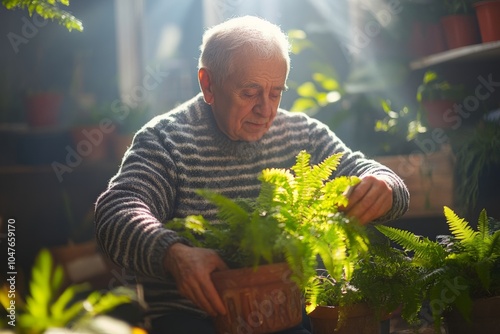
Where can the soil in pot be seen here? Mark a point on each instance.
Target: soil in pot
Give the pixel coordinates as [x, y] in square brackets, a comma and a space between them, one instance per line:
[358, 319]
[260, 300]
[485, 318]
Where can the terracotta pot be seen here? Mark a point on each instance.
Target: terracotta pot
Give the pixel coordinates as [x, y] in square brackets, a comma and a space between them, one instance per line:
[359, 319]
[488, 16]
[460, 30]
[440, 113]
[426, 38]
[485, 318]
[261, 300]
[42, 110]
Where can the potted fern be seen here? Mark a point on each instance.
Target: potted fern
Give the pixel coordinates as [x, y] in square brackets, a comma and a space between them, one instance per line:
[377, 288]
[459, 23]
[437, 98]
[50, 305]
[460, 273]
[293, 222]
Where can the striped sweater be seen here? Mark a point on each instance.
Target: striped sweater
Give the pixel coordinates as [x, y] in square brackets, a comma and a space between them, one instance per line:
[182, 151]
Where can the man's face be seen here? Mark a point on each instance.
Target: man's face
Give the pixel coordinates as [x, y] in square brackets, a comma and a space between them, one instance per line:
[247, 102]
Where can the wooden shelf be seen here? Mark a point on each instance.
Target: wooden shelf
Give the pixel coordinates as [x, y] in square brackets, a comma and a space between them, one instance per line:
[476, 52]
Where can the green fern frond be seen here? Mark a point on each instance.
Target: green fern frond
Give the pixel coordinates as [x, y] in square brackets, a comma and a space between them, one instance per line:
[48, 9]
[41, 290]
[334, 191]
[459, 227]
[494, 245]
[311, 293]
[483, 271]
[60, 309]
[324, 169]
[425, 250]
[483, 225]
[229, 210]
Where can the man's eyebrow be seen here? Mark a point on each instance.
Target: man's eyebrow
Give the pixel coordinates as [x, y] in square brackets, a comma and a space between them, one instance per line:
[253, 85]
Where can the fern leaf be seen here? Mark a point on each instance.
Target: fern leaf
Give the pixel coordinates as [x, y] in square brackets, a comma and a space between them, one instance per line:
[302, 170]
[277, 185]
[483, 225]
[40, 287]
[494, 247]
[58, 308]
[424, 249]
[459, 227]
[324, 169]
[229, 210]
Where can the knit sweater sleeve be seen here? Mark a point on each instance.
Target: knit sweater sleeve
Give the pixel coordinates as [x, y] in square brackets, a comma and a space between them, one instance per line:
[129, 215]
[355, 163]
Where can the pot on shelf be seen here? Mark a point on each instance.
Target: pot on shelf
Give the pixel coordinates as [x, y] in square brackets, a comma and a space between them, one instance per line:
[43, 109]
[260, 300]
[460, 30]
[488, 15]
[440, 113]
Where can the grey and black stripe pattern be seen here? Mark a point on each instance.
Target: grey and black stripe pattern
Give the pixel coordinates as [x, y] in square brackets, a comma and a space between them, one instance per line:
[182, 151]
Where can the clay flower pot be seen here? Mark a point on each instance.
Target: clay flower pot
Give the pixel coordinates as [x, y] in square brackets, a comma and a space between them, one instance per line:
[488, 14]
[358, 319]
[440, 113]
[261, 300]
[43, 109]
[485, 318]
[460, 30]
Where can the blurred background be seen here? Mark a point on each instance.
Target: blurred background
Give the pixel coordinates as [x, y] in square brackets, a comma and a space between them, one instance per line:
[370, 69]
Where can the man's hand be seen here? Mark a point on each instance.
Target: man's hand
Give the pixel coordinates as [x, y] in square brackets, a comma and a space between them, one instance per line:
[191, 268]
[369, 199]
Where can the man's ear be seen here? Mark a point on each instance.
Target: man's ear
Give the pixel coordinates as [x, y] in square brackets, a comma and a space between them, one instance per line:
[206, 85]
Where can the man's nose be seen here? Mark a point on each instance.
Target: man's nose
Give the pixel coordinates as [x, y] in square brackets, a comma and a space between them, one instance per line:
[264, 107]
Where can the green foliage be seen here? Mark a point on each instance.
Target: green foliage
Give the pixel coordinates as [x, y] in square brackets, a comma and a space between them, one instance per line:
[48, 9]
[467, 259]
[476, 151]
[294, 218]
[454, 7]
[380, 279]
[434, 87]
[403, 123]
[47, 307]
[323, 88]
[318, 93]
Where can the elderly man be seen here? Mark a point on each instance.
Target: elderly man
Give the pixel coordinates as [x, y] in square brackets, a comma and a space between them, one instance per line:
[221, 139]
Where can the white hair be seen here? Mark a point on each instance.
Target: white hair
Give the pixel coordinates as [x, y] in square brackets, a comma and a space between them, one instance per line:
[221, 42]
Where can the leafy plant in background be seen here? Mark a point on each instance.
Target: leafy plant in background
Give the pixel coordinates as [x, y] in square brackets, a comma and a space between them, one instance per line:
[452, 7]
[403, 123]
[323, 88]
[467, 258]
[476, 150]
[47, 307]
[295, 219]
[435, 87]
[48, 9]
